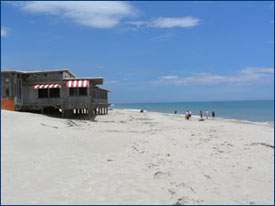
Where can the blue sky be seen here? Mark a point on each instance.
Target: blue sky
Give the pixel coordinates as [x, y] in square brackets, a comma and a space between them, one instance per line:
[148, 51]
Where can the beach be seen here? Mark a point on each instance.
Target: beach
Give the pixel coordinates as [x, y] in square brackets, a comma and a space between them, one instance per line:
[128, 157]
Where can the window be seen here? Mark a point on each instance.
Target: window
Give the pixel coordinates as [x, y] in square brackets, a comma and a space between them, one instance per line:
[93, 93]
[73, 91]
[78, 91]
[42, 93]
[7, 92]
[49, 93]
[8, 88]
[54, 92]
[82, 91]
[19, 88]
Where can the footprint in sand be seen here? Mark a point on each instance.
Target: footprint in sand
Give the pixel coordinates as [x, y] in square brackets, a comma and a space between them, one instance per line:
[159, 175]
[207, 176]
[135, 148]
[151, 165]
[171, 192]
[71, 123]
[183, 185]
[187, 200]
[45, 125]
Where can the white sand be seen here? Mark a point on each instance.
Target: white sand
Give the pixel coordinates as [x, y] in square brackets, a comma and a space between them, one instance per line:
[137, 158]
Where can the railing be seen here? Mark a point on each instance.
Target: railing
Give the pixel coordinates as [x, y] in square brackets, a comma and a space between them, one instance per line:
[101, 101]
[68, 102]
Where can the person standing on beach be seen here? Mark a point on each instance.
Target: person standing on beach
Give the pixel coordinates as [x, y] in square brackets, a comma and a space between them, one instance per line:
[187, 115]
[190, 114]
[206, 114]
[201, 114]
[213, 114]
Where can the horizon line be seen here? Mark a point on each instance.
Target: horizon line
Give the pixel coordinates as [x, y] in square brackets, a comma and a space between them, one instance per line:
[192, 101]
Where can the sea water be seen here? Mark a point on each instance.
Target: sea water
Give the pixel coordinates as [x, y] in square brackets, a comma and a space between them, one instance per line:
[256, 111]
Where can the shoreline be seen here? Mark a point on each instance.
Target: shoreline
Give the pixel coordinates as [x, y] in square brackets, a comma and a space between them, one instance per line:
[267, 123]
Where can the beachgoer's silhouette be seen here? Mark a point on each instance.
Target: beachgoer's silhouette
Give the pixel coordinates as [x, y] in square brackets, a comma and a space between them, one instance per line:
[213, 114]
[187, 115]
[206, 114]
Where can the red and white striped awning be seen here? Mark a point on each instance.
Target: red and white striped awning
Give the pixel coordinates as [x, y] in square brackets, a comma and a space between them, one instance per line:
[46, 86]
[77, 83]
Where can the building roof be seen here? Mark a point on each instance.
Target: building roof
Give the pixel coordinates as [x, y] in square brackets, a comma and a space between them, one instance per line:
[96, 80]
[103, 89]
[33, 72]
[10, 71]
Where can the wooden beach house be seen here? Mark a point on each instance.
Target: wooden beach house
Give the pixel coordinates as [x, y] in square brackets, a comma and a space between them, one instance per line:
[56, 92]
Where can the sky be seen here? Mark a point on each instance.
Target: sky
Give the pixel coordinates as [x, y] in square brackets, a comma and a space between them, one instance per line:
[148, 51]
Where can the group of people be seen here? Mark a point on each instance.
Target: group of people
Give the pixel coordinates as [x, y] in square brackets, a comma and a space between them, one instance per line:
[206, 114]
[188, 114]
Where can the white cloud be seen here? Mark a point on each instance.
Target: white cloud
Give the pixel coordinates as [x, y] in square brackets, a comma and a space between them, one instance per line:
[97, 14]
[102, 14]
[248, 75]
[168, 22]
[4, 31]
[258, 70]
[171, 77]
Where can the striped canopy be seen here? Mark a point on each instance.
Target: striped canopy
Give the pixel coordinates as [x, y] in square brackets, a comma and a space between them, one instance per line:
[46, 86]
[77, 83]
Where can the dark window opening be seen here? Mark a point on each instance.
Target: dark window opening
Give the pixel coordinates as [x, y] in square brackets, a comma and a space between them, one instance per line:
[42, 93]
[7, 92]
[96, 94]
[73, 91]
[105, 95]
[54, 92]
[19, 88]
[83, 92]
[93, 93]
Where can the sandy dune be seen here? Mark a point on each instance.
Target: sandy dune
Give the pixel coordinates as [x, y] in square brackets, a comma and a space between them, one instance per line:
[128, 157]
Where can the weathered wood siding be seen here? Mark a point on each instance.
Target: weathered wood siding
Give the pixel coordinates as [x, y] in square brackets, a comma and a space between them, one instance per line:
[20, 87]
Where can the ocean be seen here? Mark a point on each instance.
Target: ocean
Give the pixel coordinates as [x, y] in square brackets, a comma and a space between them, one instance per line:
[255, 111]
